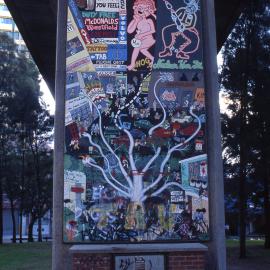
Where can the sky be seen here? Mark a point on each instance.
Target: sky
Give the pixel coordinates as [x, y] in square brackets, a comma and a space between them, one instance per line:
[47, 96]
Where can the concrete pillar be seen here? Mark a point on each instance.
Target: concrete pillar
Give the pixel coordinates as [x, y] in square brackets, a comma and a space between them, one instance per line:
[60, 258]
[217, 248]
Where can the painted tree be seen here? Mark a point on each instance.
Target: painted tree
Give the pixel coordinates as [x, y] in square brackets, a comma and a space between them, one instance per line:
[131, 180]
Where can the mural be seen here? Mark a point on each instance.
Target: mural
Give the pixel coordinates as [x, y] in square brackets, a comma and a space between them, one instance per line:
[135, 147]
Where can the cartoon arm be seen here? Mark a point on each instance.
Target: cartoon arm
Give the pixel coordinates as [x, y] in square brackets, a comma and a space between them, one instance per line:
[133, 24]
[151, 31]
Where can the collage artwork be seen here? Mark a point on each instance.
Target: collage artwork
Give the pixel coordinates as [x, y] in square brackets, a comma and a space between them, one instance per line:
[135, 145]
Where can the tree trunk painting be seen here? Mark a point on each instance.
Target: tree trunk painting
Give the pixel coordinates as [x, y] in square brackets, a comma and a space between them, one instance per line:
[135, 160]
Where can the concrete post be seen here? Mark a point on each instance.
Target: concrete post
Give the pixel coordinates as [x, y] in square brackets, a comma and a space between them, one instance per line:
[217, 248]
[59, 251]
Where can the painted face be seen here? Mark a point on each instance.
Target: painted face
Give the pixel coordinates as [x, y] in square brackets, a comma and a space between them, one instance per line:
[142, 10]
[192, 6]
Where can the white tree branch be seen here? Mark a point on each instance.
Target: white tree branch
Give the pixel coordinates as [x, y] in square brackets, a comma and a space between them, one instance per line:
[175, 148]
[130, 151]
[168, 185]
[150, 162]
[125, 174]
[85, 134]
[162, 107]
[88, 162]
[131, 146]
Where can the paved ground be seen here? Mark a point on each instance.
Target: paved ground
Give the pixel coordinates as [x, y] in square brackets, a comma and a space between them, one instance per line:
[258, 259]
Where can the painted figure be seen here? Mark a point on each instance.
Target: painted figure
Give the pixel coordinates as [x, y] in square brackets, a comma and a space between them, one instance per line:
[181, 37]
[144, 26]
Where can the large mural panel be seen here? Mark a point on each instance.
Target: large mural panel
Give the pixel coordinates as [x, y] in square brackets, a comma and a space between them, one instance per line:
[135, 143]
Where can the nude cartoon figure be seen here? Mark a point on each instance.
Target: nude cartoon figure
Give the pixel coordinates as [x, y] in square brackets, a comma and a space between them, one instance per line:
[144, 27]
[183, 28]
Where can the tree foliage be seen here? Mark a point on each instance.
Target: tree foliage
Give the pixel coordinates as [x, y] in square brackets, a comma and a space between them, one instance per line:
[246, 126]
[25, 131]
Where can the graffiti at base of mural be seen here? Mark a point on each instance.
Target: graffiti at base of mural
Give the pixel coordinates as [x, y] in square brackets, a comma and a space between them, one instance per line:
[146, 262]
[135, 155]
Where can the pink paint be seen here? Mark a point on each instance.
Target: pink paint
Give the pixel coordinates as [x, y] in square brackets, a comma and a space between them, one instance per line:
[145, 28]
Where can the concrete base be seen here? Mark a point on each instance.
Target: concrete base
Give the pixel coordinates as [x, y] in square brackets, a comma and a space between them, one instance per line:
[190, 256]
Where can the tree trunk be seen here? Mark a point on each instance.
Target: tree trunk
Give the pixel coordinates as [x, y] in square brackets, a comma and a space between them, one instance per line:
[242, 208]
[1, 212]
[243, 173]
[39, 230]
[20, 225]
[13, 221]
[244, 135]
[266, 195]
[22, 191]
[30, 230]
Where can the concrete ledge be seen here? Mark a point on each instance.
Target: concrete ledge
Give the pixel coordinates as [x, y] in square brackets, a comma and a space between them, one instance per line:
[138, 248]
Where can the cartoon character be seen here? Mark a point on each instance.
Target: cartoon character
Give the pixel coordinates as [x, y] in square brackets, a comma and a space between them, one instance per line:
[145, 28]
[182, 31]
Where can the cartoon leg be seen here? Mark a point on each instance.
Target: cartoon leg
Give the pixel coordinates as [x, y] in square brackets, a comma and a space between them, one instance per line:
[148, 54]
[168, 38]
[134, 58]
[181, 53]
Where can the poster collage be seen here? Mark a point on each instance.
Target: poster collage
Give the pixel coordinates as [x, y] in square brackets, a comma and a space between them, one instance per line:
[135, 145]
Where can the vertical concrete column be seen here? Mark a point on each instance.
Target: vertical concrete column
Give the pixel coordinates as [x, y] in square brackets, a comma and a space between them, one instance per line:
[60, 258]
[217, 248]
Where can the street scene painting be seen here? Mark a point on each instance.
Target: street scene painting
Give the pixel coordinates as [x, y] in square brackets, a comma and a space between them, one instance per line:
[135, 165]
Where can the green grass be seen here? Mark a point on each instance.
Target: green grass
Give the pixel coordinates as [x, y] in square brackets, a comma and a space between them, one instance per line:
[27, 256]
[37, 256]
[258, 258]
[235, 243]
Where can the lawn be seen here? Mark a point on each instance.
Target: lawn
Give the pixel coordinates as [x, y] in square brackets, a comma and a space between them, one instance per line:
[27, 256]
[37, 256]
[258, 258]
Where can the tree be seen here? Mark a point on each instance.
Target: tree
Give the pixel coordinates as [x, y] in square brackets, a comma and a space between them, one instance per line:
[38, 138]
[260, 104]
[243, 87]
[11, 186]
[39, 195]
[24, 126]
[8, 66]
[22, 108]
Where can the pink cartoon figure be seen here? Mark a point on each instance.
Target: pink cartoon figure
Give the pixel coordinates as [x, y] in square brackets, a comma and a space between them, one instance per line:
[144, 26]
